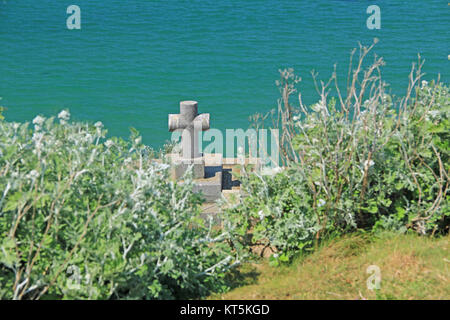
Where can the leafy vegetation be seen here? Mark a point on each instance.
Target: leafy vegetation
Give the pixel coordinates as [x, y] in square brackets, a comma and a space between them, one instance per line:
[1, 112]
[363, 161]
[81, 217]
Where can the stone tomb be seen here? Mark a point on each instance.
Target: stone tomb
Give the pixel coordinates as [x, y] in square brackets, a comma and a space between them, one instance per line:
[211, 172]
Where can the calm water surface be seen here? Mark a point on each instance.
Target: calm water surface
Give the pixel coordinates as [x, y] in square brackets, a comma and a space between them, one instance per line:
[133, 61]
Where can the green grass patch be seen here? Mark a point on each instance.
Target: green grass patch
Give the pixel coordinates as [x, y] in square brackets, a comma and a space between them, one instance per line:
[412, 267]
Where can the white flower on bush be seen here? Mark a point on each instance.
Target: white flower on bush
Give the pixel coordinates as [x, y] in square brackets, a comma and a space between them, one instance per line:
[321, 203]
[162, 166]
[277, 170]
[319, 108]
[88, 138]
[64, 116]
[368, 164]
[424, 83]
[38, 121]
[261, 215]
[268, 171]
[385, 97]
[98, 125]
[433, 114]
[37, 139]
[109, 143]
[138, 140]
[33, 175]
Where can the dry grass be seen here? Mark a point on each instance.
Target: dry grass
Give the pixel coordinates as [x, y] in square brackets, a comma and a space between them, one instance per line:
[411, 267]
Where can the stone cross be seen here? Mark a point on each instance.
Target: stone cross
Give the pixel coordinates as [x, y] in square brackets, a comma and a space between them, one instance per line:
[191, 123]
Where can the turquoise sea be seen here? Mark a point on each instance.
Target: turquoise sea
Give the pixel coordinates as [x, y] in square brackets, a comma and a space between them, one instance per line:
[133, 61]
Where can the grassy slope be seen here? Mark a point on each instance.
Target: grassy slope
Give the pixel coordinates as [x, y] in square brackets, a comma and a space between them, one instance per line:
[412, 267]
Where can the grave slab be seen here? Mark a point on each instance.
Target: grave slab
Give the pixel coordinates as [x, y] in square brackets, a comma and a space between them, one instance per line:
[211, 185]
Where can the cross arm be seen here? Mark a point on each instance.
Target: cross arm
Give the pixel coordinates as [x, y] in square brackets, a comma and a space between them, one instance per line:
[202, 120]
[175, 122]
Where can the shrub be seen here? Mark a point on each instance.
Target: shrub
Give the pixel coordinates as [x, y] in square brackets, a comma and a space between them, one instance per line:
[366, 160]
[1, 112]
[81, 217]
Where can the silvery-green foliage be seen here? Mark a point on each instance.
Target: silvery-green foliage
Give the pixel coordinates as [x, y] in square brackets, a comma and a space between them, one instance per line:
[83, 216]
[365, 161]
[276, 212]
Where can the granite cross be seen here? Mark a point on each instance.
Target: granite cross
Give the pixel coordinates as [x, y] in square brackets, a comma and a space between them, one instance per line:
[191, 123]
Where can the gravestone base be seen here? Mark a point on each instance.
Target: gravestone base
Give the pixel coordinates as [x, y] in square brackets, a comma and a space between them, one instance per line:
[180, 166]
[206, 170]
[210, 186]
[231, 186]
[213, 177]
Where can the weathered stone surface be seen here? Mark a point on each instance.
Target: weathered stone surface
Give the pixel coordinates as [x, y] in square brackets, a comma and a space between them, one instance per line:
[180, 165]
[210, 188]
[211, 185]
[191, 123]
